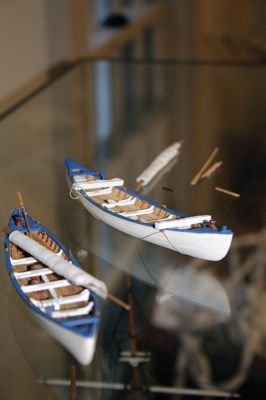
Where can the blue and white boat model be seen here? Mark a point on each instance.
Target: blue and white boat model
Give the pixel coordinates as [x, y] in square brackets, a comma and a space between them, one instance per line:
[53, 285]
[111, 202]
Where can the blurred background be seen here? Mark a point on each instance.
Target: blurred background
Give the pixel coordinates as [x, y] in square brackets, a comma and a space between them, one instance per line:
[111, 83]
[38, 37]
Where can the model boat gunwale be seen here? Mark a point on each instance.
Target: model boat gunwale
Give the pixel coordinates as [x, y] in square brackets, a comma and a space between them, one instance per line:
[201, 230]
[85, 326]
[72, 171]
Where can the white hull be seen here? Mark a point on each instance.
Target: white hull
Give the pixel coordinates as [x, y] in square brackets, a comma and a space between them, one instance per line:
[207, 246]
[82, 348]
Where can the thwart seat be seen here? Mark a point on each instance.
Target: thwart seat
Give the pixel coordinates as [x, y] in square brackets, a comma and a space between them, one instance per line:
[137, 212]
[97, 184]
[110, 203]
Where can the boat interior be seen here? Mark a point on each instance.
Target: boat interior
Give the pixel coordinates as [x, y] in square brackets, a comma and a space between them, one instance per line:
[111, 196]
[46, 289]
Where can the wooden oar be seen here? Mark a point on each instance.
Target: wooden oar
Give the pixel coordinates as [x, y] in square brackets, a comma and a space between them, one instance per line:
[21, 203]
[118, 301]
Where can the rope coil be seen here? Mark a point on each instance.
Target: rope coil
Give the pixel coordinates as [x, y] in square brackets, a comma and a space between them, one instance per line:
[72, 190]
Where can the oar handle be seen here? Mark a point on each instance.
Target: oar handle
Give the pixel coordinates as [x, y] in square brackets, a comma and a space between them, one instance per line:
[118, 301]
[20, 199]
[73, 382]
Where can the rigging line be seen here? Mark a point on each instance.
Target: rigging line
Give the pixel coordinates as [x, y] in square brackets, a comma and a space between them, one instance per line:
[151, 234]
[148, 271]
[161, 285]
[168, 240]
[170, 276]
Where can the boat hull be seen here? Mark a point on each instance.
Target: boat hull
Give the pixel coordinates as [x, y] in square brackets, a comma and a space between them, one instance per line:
[211, 246]
[82, 348]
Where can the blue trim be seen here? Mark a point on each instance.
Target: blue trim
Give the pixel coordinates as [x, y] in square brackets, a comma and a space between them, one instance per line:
[74, 168]
[81, 321]
[72, 325]
[72, 165]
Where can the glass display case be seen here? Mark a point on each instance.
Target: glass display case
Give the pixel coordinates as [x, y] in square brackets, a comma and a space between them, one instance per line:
[196, 327]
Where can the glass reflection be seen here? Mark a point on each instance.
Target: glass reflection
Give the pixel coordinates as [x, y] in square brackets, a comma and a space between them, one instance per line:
[198, 324]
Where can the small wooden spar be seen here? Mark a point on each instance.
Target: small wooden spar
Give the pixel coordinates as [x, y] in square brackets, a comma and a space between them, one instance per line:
[207, 174]
[229, 192]
[197, 177]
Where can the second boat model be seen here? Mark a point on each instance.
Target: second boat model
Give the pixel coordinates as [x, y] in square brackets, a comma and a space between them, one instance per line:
[111, 202]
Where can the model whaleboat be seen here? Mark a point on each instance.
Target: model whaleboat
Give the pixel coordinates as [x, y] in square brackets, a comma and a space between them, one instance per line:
[111, 202]
[53, 286]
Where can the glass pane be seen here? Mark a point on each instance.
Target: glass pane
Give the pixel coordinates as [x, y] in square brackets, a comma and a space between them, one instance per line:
[193, 318]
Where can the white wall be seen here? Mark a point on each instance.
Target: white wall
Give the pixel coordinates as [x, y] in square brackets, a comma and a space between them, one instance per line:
[33, 37]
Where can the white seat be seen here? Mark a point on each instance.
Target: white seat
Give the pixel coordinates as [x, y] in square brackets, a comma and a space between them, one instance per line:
[23, 261]
[182, 223]
[98, 184]
[34, 272]
[79, 178]
[168, 217]
[75, 312]
[57, 302]
[112, 203]
[45, 286]
[137, 212]
[98, 192]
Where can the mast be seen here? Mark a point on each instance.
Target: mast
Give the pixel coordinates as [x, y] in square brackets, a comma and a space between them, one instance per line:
[22, 205]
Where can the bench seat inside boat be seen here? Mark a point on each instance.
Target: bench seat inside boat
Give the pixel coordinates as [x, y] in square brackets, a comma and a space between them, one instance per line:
[83, 178]
[17, 254]
[158, 214]
[138, 205]
[118, 195]
[115, 195]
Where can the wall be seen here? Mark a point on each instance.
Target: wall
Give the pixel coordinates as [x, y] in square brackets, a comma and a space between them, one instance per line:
[33, 37]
